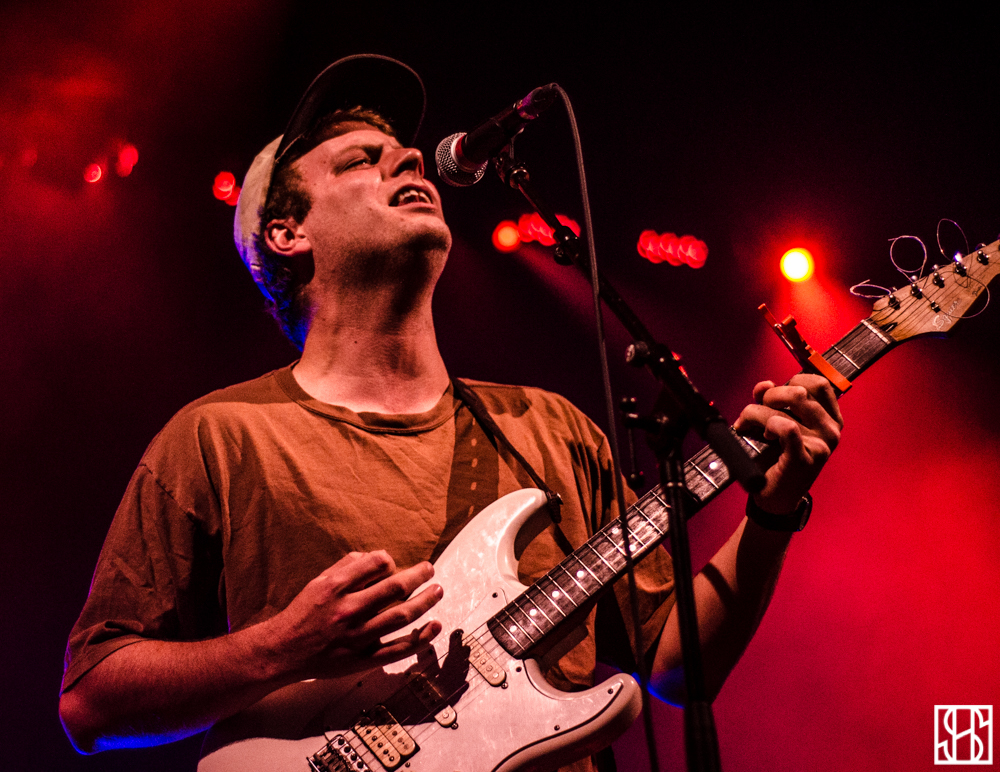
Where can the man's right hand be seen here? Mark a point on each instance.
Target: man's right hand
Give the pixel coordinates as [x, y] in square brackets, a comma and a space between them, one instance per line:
[151, 692]
[335, 624]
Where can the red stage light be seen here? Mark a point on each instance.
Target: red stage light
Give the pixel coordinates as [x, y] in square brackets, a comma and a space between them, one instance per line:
[128, 156]
[797, 264]
[223, 186]
[668, 248]
[234, 195]
[93, 172]
[531, 227]
[506, 236]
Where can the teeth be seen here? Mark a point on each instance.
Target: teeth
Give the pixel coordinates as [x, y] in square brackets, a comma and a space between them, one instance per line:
[411, 195]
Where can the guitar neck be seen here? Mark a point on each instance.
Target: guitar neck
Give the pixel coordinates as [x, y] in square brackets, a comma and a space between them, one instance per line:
[574, 585]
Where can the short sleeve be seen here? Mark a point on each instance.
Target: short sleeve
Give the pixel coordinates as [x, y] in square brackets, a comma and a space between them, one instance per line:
[158, 577]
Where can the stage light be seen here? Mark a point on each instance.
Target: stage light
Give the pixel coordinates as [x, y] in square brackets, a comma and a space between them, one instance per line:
[657, 248]
[647, 245]
[128, 156]
[797, 264]
[93, 173]
[506, 236]
[223, 185]
[234, 195]
[531, 227]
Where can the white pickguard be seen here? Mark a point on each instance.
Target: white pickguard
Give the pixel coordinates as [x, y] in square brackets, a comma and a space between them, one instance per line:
[525, 724]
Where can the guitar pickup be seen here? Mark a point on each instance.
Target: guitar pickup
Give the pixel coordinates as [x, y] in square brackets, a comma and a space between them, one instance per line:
[385, 737]
[488, 667]
[430, 697]
[337, 756]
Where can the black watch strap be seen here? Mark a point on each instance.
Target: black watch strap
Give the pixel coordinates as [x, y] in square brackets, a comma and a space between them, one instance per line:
[795, 521]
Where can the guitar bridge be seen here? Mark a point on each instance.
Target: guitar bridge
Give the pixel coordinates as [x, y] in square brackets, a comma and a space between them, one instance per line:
[385, 737]
[337, 756]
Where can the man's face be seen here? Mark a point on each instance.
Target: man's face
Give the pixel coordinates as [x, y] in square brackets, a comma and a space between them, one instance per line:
[373, 214]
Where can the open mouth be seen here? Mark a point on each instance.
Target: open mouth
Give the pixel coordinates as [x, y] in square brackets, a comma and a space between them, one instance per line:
[410, 196]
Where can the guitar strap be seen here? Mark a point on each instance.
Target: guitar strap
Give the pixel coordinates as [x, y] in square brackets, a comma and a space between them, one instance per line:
[481, 414]
[604, 760]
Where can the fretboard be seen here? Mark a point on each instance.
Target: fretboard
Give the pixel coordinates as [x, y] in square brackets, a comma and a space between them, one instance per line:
[575, 584]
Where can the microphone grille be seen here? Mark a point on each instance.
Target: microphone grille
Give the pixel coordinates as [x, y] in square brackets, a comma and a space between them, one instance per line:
[448, 167]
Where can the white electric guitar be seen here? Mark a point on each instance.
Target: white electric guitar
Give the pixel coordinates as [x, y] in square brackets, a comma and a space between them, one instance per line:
[476, 701]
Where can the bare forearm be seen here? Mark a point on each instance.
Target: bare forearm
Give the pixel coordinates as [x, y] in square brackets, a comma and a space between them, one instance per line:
[343, 621]
[153, 692]
[731, 594]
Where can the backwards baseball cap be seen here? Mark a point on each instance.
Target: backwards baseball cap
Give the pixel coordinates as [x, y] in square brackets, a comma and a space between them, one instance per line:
[375, 82]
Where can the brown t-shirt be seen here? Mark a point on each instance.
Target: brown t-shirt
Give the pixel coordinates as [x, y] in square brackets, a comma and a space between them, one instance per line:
[250, 492]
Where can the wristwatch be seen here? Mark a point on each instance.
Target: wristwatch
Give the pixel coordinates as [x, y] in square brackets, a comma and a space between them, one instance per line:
[795, 521]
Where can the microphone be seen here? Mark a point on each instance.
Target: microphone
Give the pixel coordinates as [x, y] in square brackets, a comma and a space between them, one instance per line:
[462, 158]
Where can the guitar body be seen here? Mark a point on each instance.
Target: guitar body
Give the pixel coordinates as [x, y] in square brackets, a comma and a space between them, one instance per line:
[456, 712]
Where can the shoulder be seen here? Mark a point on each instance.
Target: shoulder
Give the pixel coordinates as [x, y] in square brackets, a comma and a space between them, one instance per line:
[222, 417]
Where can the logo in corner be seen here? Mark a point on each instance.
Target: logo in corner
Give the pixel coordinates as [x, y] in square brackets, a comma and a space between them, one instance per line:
[963, 734]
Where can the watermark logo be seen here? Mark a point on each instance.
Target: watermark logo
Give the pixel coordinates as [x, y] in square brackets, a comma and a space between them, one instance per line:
[963, 734]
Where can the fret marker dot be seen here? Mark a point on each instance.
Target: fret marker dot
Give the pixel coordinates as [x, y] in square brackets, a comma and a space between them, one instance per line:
[580, 574]
[556, 594]
[533, 612]
[714, 465]
[616, 529]
[513, 628]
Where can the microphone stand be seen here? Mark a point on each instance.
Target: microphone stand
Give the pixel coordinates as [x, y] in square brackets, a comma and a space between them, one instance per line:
[679, 407]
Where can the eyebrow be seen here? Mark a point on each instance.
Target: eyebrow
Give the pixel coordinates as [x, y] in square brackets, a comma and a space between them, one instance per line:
[368, 147]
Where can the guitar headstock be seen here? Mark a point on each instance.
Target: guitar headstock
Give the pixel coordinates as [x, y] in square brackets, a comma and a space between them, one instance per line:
[932, 304]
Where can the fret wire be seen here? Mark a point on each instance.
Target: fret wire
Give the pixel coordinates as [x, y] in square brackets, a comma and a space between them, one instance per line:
[586, 568]
[599, 555]
[706, 454]
[541, 594]
[874, 328]
[562, 590]
[633, 535]
[573, 578]
[853, 363]
[539, 607]
[663, 504]
[517, 603]
[610, 541]
[699, 470]
[518, 624]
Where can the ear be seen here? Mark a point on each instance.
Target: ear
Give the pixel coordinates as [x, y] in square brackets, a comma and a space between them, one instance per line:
[287, 237]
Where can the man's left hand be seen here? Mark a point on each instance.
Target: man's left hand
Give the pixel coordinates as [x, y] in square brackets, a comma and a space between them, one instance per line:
[803, 416]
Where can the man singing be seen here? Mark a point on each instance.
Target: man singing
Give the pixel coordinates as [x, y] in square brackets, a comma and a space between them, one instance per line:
[276, 531]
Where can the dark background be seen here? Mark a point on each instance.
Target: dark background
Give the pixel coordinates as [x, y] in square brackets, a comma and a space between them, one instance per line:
[123, 300]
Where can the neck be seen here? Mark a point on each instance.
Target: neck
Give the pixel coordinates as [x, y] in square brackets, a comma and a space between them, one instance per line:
[364, 357]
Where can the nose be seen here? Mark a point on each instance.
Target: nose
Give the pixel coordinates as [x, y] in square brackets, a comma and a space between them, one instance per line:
[405, 159]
